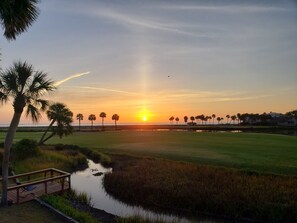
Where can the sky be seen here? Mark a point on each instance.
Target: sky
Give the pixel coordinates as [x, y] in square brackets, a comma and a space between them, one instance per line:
[162, 58]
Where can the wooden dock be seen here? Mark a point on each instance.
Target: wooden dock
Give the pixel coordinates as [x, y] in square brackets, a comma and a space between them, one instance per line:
[28, 186]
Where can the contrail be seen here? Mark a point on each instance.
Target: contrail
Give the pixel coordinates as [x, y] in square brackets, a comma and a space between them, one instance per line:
[107, 89]
[69, 78]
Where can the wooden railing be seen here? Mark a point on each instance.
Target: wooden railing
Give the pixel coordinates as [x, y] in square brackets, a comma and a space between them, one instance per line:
[39, 177]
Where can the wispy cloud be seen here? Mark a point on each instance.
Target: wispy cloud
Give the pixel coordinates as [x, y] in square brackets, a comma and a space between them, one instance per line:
[206, 96]
[70, 77]
[228, 8]
[139, 21]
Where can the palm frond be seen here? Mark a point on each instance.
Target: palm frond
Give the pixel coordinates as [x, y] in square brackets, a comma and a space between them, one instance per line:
[17, 16]
[43, 104]
[40, 84]
[33, 112]
[23, 71]
[9, 82]
[3, 97]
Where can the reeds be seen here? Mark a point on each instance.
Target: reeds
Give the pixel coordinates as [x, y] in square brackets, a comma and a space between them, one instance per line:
[64, 160]
[194, 189]
[65, 206]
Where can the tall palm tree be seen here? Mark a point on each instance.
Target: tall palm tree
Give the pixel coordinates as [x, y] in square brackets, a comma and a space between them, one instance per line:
[197, 118]
[61, 115]
[192, 118]
[218, 119]
[227, 116]
[79, 117]
[202, 117]
[239, 118]
[102, 116]
[171, 119]
[177, 120]
[213, 118]
[186, 119]
[92, 118]
[116, 118]
[26, 87]
[17, 16]
[233, 118]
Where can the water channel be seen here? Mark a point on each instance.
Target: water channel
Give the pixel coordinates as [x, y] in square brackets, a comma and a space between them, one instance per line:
[86, 181]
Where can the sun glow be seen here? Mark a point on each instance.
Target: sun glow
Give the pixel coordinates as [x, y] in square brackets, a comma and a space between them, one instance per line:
[144, 118]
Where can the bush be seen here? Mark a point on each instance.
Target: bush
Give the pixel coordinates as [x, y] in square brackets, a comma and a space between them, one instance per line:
[25, 148]
[93, 155]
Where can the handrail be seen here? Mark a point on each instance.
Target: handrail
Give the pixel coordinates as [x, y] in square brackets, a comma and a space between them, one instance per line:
[37, 182]
[54, 175]
[36, 172]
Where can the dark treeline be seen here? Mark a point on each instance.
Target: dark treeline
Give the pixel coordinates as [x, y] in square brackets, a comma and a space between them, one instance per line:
[266, 119]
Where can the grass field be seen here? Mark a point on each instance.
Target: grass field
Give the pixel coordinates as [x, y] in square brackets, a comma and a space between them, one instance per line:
[267, 153]
[28, 213]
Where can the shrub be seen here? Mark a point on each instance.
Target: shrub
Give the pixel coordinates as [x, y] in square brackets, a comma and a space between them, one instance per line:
[93, 155]
[25, 148]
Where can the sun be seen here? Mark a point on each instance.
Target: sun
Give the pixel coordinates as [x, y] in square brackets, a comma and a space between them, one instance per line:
[144, 118]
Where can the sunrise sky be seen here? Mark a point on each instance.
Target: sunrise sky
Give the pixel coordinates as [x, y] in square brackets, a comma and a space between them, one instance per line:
[163, 58]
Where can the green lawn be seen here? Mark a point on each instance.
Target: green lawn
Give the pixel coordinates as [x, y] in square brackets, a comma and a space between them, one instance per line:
[250, 151]
[28, 213]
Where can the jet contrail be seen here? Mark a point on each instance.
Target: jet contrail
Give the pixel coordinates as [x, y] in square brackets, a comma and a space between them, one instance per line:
[107, 89]
[69, 78]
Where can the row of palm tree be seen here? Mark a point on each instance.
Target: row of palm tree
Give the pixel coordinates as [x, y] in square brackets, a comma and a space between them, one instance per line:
[92, 118]
[205, 119]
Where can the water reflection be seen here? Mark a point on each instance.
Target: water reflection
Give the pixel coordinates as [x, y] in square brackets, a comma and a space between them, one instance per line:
[86, 181]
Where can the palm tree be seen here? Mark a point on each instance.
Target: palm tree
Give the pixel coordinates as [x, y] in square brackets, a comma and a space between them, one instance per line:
[17, 16]
[116, 118]
[202, 117]
[171, 119]
[233, 118]
[92, 118]
[102, 116]
[218, 119]
[79, 117]
[227, 116]
[213, 118]
[186, 119]
[26, 87]
[239, 118]
[192, 118]
[177, 120]
[197, 118]
[59, 113]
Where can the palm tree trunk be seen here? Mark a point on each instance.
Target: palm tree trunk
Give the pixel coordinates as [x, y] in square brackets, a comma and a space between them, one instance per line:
[78, 124]
[102, 123]
[46, 131]
[5, 162]
[47, 138]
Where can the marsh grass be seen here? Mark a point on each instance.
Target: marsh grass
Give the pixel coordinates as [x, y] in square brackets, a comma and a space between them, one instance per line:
[194, 189]
[64, 205]
[66, 160]
[138, 219]
[80, 197]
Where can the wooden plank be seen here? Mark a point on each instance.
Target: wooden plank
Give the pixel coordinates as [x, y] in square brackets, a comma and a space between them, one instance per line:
[53, 187]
